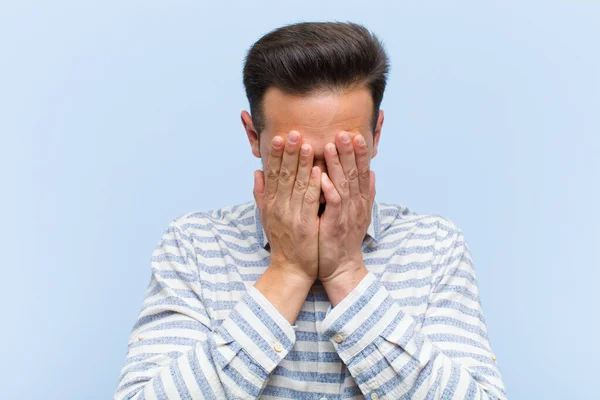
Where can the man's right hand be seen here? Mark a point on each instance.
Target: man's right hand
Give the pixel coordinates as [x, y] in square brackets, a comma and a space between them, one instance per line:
[288, 202]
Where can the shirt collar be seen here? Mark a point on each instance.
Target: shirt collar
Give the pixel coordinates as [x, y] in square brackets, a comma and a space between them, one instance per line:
[373, 231]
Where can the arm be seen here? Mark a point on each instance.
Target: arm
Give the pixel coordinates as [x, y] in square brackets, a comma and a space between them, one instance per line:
[175, 351]
[448, 358]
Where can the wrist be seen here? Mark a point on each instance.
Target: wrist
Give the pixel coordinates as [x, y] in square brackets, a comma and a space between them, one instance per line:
[339, 286]
[286, 291]
[290, 277]
[345, 271]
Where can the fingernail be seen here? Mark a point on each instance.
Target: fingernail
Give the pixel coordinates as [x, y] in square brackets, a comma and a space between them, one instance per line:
[345, 138]
[304, 150]
[361, 140]
[277, 142]
[332, 149]
[293, 137]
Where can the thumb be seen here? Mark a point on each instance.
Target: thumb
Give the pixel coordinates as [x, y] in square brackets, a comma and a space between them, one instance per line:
[259, 188]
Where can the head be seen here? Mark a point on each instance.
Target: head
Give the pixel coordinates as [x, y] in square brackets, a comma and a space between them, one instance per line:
[317, 78]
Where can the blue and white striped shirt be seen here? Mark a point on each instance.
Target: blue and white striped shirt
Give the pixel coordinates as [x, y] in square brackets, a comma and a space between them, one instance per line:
[413, 327]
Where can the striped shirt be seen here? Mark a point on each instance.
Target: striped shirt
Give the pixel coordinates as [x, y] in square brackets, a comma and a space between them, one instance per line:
[413, 328]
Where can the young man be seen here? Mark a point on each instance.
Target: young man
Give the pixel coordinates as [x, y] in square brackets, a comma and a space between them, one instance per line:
[313, 290]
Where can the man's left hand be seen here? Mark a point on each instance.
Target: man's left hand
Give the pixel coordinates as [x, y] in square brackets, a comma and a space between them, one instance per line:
[349, 189]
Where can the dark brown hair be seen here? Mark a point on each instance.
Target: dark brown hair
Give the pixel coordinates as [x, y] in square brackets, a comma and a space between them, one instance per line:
[313, 56]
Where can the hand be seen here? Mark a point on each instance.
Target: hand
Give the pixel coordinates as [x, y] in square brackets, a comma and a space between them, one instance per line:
[349, 189]
[288, 202]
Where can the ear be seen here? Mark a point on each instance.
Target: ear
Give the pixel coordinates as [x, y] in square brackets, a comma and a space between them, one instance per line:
[251, 132]
[377, 133]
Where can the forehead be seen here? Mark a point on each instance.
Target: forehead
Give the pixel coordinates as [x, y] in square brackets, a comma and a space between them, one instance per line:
[318, 116]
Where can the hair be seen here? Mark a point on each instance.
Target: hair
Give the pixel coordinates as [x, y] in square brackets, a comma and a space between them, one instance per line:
[309, 57]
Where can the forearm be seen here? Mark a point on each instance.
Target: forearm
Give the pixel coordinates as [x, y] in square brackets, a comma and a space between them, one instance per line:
[386, 353]
[192, 356]
[284, 290]
[177, 350]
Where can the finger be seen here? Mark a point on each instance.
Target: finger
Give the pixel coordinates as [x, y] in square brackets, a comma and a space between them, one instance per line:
[310, 206]
[347, 159]
[303, 174]
[335, 171]
[372, 190]
[289, 166]
[273, 166]
[259, 188]
[362, 164]
[332, 197]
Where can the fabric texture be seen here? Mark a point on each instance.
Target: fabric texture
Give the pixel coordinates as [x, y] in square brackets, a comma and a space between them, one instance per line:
[413, 328]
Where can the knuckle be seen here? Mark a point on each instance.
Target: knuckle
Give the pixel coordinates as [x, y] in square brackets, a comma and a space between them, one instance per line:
[278, 211]
[339, 226]
[285, 174]
[344, 183]
[353, 174]
[300, 186]
[364, 172]
[311, 198]
[272, 174]
[303, 231]
[303, 226]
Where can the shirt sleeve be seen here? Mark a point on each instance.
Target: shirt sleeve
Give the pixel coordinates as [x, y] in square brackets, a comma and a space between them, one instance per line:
[175, 350]
[449, 357]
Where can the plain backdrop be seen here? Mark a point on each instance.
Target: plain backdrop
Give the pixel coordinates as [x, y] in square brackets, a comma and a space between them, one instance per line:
[118, 116]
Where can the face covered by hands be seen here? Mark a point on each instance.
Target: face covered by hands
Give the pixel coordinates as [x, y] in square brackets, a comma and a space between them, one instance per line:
[323, 245]
[347, 186]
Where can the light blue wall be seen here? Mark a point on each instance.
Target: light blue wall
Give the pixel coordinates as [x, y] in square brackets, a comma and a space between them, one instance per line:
[117, 117]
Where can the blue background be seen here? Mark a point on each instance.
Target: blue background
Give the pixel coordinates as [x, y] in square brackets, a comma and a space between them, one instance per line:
[117, 117]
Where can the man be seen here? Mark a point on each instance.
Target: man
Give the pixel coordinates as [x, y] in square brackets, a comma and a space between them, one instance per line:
[313, 290]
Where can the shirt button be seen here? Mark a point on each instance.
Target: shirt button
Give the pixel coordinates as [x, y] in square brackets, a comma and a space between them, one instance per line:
[338, 338]
[323, 398]
[374, 396]
[493, 357]
[278, 347]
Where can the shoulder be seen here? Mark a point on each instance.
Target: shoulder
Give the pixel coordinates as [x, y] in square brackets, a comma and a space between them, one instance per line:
[395, 216]
[231, 218]
[427, 233]
[424, 233]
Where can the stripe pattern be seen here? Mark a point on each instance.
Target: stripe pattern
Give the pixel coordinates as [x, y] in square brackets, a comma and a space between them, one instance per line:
[413, 328]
